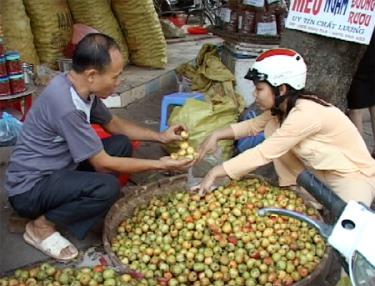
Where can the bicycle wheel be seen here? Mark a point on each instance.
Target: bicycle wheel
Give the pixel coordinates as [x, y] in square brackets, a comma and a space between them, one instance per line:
[157, 5]
[162, 7]
[199, 17]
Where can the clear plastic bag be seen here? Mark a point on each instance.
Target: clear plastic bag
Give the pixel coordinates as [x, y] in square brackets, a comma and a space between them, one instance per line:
[209, 161]
[199, 170]
[9, 129]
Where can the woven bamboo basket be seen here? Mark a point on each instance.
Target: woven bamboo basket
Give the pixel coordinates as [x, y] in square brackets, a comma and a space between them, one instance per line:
[125, 207]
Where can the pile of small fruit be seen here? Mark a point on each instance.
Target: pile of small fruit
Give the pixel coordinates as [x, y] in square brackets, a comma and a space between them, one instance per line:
[49, 275]
[186, 151]
[183, 239]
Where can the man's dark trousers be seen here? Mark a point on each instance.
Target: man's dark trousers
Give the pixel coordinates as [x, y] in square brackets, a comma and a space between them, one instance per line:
[75, 199]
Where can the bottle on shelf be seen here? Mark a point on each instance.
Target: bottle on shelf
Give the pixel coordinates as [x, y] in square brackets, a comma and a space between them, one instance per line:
[13, 62]
[266, 25]
[232, 25]
[4, 86]
[2, 47]
[246, 22]
[3, 67]
[17, 83]
[255, 5]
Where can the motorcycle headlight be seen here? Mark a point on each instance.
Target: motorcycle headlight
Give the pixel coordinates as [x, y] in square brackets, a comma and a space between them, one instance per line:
[363, 273]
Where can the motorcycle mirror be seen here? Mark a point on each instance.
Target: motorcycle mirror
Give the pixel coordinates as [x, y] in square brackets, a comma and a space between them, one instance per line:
[362, 272]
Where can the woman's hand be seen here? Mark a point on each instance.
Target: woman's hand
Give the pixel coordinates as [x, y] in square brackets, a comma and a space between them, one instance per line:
[208, 181]
[173, 133]
[209, 145]
[170, 164]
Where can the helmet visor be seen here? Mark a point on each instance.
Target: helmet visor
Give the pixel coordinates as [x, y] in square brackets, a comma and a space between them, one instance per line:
[254, 75]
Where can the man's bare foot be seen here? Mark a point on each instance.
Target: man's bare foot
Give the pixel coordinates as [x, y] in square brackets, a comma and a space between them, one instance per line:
[41, 228]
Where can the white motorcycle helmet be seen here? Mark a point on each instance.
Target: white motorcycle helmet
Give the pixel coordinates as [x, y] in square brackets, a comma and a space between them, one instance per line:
[279, 66]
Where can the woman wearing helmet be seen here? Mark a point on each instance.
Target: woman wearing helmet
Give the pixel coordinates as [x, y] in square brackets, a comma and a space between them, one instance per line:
[302, 131]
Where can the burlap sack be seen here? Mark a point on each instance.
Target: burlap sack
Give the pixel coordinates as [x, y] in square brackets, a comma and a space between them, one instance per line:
[170, 30]
[1, 27]
[144, 35]
[17, 31]
[98, 15]
[51, 23]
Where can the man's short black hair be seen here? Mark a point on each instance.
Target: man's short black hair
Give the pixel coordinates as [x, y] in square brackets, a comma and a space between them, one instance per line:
[93, 52]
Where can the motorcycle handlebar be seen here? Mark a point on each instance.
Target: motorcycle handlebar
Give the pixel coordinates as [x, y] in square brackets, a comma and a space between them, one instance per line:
[321, 192]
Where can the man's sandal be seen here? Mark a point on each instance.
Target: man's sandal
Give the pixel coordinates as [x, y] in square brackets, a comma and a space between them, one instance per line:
[52, 245]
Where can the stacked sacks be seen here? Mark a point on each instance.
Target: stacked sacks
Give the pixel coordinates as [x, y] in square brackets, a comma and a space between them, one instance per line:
[17, 30]
[51, 23]
[1, 28]
[144, 35]
[98, 15]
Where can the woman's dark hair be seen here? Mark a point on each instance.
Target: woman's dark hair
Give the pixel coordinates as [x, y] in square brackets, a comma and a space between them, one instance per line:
[93, 52]
[291, 97]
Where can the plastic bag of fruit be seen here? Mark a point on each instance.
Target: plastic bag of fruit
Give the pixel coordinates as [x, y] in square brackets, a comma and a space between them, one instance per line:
[199, 170]
[202, 118]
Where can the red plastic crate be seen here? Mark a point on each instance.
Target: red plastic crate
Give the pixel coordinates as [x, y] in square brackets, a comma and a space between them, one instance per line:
[178, 20]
